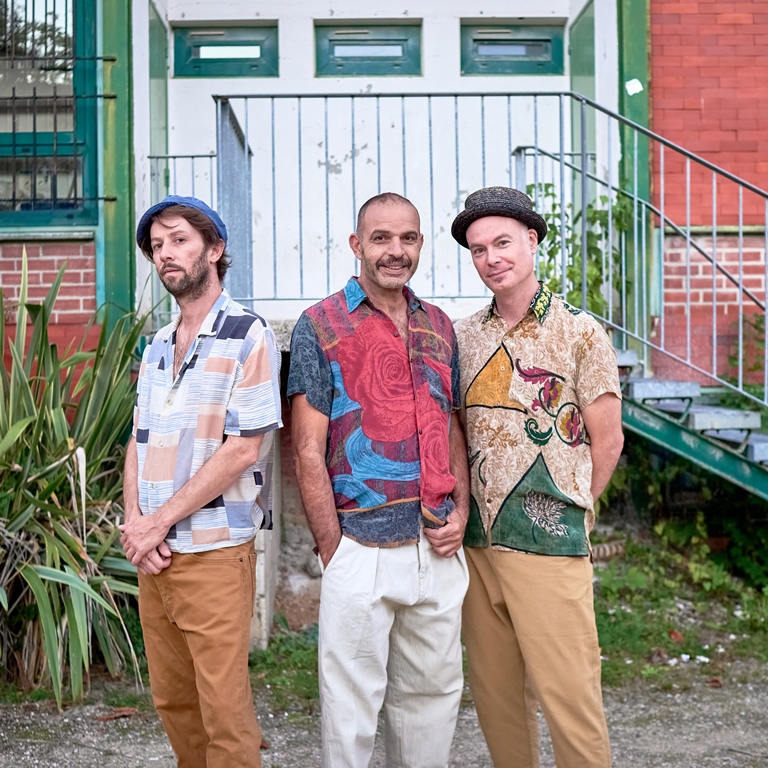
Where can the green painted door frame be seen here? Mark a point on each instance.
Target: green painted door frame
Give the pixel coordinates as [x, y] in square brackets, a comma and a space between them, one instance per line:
[118, 266]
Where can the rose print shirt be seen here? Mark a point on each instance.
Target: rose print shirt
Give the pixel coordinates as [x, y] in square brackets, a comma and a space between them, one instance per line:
[389, 408]
[524, 390]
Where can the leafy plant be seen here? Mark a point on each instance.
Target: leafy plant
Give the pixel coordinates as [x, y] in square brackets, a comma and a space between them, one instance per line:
[62, 574]
[565, 234]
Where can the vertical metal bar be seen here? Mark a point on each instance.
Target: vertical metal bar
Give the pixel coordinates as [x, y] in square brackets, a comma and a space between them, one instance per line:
[458, 176]
[378, 146]
[192, 159]
[327, 204]
[536, 152]
[274, 196]
[405, 166]
[563, 254]
[431, 194]
[301, 211]
[509, 140]
[55, 174]
[714, 272]
[353, 155]
[584, 192]
[635, 234]
[14, 151]
[482, 129]
[34, 148]
[610, 220]
[663, 239]
[623, 256]
[741, 288]
[355, 261]
[765, 304]
[688, 259]
[211, 180]
[644, 283]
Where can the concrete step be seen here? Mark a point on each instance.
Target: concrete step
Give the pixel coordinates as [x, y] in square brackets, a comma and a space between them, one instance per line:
[757, 448]
[756, 442]
[709, 417]
[656, 389]
[626, 358]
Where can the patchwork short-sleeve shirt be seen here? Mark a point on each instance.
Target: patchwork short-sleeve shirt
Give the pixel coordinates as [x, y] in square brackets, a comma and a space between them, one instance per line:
[524, 389]
[228, 384]
[389, 408]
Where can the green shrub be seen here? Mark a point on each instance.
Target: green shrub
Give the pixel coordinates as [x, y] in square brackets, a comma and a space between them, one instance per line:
[62, 573]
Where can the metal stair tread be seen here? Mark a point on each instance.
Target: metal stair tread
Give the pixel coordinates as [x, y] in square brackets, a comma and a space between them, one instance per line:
[626, 358]
[711, 417]
[647, 389]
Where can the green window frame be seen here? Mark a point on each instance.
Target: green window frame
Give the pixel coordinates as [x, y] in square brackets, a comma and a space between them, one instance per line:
[58, 156]
[511, 49]
[367, 49]
[226, 52]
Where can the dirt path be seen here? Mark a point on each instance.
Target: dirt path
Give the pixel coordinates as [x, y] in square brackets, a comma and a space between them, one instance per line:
[694, 728]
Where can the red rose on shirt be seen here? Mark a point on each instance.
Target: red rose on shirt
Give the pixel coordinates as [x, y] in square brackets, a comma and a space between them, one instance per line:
[377, 374]
[434, 451]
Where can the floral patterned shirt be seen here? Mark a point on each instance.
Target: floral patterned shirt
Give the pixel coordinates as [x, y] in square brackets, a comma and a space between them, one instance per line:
[523, 392]
[389, 408]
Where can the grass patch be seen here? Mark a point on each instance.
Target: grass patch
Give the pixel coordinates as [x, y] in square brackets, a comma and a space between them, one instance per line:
[122, 698]
[287, 669]
[660, 611]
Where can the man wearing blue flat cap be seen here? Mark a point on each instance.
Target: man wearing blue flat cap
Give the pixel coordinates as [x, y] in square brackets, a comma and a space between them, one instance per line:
[198, 473]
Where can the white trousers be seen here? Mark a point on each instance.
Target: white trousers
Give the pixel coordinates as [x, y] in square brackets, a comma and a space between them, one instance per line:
[390, 625]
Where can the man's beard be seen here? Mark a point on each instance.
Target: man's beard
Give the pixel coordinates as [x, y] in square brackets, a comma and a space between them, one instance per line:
[190, 284]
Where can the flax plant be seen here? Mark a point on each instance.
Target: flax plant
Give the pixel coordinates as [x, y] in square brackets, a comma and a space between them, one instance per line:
[63, 421]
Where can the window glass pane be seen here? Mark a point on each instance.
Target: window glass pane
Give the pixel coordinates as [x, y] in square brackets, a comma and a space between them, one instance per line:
[229, 52]
[520, 49]
[341, 50]
[40, 183]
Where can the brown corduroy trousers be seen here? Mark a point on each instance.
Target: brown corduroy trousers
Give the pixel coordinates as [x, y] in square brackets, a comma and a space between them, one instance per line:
[196, 618]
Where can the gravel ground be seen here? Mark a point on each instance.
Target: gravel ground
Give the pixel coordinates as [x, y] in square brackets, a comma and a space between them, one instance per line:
[690, 726]
[695, 728]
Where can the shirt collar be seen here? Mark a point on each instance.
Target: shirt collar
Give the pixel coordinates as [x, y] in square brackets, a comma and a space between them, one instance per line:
[540, 305]
[208, 326]
[355, 296]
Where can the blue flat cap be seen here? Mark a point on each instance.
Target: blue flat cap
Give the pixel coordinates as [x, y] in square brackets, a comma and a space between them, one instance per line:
[190, 202]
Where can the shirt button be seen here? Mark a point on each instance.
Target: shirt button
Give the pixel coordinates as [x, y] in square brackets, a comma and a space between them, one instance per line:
[420, 431]
[498, 403]
[160, 443]
[487, 501]
[395, 333]
[169, 401]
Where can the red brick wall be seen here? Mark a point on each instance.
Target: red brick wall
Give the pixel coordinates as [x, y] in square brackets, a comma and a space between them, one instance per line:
[77, 296]
[704, 333]
[709, 94]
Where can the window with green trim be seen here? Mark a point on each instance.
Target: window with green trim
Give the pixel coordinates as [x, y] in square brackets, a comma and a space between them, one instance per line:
[48, 114]
[368, 50]
[506, 49]
[225, 52]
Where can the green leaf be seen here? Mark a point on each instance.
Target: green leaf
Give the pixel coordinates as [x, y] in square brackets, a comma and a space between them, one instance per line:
[48, 623]
[72, 580]
[3, 598]
[14, 433]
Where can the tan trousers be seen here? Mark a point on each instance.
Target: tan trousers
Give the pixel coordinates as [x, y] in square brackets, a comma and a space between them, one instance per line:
[534, 615]
[196, 618]
[390, 634]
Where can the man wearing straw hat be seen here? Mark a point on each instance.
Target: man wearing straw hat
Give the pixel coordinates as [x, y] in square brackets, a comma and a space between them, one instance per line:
[542, 409]
[197, 485]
